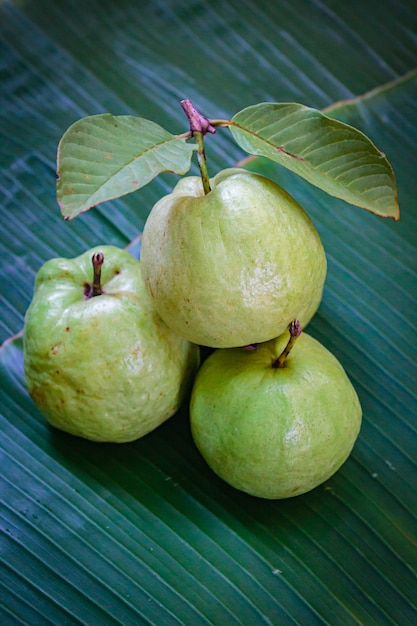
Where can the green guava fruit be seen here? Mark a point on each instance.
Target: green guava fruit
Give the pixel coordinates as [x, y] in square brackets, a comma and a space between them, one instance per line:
[235, 266]
[98, 360]
[274, 431]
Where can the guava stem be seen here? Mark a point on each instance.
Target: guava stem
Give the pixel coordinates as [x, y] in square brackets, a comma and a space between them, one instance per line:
[199, 126]
[295, 332]
[202, 162]
[221, 123]
[97, 260]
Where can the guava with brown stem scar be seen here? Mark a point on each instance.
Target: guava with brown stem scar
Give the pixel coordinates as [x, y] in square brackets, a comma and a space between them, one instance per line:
[99, 362]
[276, 421]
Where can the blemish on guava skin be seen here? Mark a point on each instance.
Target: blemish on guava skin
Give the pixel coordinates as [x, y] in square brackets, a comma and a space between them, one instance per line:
[37, 394]
[67, 329]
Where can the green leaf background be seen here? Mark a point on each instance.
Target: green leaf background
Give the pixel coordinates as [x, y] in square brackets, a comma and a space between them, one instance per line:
[144, 533]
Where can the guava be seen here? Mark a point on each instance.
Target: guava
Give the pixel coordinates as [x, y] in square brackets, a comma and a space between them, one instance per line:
[234, 266]
[275, 422]
[99, 362]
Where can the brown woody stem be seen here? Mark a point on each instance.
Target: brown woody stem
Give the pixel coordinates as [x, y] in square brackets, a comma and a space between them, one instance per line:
[202, 162]
[295, 332]
[97, 260]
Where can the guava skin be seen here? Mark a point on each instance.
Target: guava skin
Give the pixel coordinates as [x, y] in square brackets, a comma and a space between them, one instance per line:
[274, 432]
[235, 266]
[105, 368]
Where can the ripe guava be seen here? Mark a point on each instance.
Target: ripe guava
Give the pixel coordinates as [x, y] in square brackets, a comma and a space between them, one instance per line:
[271, 426]
[99, 361]
[235, 266]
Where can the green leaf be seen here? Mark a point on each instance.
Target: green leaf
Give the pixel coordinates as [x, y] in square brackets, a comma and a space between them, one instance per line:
[102, 157]
[329, 154]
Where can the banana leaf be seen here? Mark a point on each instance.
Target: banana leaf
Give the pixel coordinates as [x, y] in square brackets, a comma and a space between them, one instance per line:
[145, 533]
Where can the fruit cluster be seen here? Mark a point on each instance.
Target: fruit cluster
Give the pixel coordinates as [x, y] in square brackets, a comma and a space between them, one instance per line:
[111, 344]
